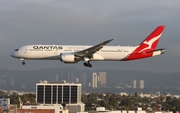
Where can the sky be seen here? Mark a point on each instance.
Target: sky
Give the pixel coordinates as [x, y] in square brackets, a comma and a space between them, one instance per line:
[81, 22]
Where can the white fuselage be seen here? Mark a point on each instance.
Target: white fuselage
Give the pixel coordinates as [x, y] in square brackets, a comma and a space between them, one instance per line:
[52, 52]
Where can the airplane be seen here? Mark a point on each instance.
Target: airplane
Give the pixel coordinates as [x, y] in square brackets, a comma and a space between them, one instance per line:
[99, 52]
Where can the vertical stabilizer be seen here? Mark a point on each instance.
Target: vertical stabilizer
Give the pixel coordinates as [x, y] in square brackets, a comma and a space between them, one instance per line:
[151, 41]
[145, 48]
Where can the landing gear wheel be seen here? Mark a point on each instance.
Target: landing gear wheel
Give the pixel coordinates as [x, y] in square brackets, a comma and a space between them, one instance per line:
[23, 63]
[87, 64]
[90, 65]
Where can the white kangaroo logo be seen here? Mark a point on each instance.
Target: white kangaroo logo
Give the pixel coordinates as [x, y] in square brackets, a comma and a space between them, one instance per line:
[150, 42]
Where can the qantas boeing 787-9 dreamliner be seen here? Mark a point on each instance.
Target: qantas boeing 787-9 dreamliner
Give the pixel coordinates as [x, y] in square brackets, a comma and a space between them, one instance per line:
[99, 52]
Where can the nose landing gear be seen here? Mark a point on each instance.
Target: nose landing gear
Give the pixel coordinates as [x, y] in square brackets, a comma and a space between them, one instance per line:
[23, 61]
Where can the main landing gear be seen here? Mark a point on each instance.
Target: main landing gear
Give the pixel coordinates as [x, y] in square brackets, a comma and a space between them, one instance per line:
[87, 64]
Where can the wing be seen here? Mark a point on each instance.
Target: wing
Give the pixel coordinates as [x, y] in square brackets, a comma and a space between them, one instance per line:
[88, 53]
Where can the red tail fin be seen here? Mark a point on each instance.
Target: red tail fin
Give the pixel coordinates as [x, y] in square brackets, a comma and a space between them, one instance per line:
[151, 41]
[149, 44]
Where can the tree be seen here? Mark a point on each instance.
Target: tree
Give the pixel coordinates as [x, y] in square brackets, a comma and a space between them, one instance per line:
[104, 103]
[113, 102]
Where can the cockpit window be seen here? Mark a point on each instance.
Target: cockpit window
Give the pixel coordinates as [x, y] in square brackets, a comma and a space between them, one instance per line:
[16, 50]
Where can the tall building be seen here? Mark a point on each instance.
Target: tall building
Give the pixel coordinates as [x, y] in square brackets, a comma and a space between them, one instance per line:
[141, 84]
[134, 84]
[102, 78]
[58, 93]
[83, 79]
[57, 78]
[70, 77]
[4, 82]
[77, 80]
[94, 80]
[12, 82]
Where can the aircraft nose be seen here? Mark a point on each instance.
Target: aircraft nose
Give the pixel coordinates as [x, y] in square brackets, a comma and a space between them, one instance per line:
[13, 54]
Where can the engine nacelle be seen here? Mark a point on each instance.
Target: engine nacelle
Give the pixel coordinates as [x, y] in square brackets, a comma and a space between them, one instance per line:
[68, 58]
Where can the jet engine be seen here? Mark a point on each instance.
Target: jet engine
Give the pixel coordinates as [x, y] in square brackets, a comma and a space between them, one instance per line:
[68, 58]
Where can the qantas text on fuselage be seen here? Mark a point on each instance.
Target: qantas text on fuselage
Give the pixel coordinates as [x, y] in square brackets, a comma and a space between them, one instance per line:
[47, 47]
[99, 52]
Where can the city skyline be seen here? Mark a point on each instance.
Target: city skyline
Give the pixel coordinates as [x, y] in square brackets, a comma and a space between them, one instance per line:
[117, 80]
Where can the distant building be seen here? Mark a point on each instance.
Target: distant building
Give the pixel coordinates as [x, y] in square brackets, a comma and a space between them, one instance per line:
[57, 78]
[70, 77]
[41, 109]
[83, 79]
[137, 110]
[134, 84]
[89, 84]
[12, 82]
[4, 82]
[57, 96]
[58, 93]
[5, 103]
[55, 108]
[141, 84]
[77, 80]
[12, 109]
[94, 80]
[1, 109]
[102, 78]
